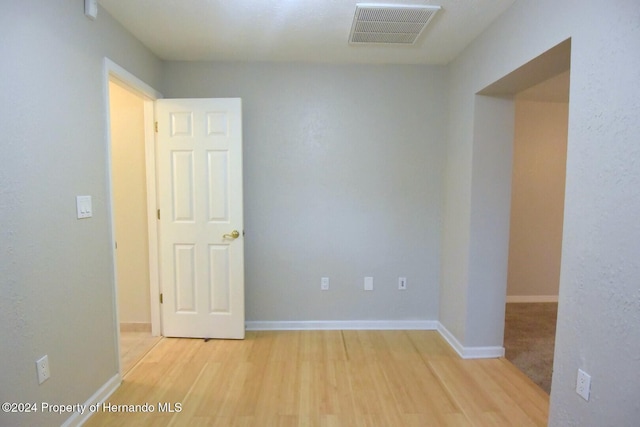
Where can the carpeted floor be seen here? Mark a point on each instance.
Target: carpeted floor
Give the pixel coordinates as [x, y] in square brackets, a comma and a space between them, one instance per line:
[529, 338]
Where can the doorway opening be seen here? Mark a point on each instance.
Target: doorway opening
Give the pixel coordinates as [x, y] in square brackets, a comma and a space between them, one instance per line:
[131, 166]
[129, 210]
[539, 91]
[535, 244]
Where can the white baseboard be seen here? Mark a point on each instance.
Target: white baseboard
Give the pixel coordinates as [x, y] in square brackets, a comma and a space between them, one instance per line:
[532, 298]
[103, 393]
[428, 325]
[469, 352]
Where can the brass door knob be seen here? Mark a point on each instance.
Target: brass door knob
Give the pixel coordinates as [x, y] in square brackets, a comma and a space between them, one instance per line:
[234, 235]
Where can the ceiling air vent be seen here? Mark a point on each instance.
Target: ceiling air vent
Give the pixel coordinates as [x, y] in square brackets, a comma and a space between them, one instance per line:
[389, 24]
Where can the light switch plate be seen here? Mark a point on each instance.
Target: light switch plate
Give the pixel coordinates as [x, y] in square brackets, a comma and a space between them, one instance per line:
[83, 207]
[91, 9]
[368, 283]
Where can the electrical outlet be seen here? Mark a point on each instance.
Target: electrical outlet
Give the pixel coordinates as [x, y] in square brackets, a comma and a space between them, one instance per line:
[324, 284]
[368, 283]
[42, 367]
[402, 283]
[583, 384]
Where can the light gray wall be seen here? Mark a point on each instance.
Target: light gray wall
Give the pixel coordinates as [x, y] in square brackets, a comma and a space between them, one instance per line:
[456, 209]
[56, 274]
[489, 223]
[343, 178]
[599, 310]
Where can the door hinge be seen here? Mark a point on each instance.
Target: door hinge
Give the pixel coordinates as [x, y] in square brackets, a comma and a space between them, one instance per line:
[155, 126]
[160, 298]
[158, 213]
[116, 245]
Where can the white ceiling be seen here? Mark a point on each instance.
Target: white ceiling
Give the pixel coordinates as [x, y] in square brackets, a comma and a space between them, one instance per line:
[292, 30]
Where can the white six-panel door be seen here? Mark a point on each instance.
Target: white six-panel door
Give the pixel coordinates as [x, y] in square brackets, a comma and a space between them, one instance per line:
[201, 219]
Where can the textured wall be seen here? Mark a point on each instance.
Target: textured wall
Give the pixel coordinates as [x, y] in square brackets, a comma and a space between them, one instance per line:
[129, 189]
[537, 198]
[456, 208]
[56, 273]
[343, 178]
[489, 222]
[600, 272]
[599, 307]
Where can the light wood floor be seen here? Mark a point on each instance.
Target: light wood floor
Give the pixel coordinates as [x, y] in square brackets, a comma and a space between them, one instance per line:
[325, 378]
[133, 346]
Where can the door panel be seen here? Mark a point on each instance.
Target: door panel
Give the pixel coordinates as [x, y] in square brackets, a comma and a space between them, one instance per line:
[218, 162]
[219, 273]
[185, 278]
[183, 186]
[200, 189]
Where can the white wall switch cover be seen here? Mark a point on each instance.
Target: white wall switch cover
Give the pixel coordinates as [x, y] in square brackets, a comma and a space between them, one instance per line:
[91, 9]
[324, 284]
[83, 207]
[368, 283]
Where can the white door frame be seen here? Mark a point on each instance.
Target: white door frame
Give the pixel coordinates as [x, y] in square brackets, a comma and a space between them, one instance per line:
[113, 71]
